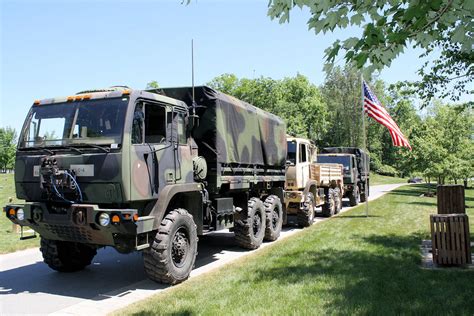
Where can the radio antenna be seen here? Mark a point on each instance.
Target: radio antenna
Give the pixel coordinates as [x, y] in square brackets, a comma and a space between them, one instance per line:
[192, 75]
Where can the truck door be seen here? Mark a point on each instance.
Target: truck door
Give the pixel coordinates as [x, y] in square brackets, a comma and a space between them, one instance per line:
[303, 165]
[151, 152]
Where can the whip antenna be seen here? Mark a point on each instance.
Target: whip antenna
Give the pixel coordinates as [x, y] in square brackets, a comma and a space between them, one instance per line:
[192, 75]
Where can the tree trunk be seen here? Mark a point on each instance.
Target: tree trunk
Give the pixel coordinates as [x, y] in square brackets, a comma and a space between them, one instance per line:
[465, 183]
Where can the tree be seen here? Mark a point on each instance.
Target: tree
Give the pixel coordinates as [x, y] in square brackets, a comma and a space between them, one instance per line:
[342, 92]
[389, 27]
[152, 85]
[7, 148]
[442, 144]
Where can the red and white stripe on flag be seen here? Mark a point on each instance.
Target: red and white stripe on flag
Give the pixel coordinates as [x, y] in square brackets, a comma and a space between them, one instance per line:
[375, 110]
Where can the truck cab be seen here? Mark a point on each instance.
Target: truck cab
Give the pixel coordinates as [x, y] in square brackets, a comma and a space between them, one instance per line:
[309, 183]
[356, 170]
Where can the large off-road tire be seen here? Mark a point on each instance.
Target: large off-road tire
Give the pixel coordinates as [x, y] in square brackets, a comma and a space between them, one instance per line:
[250, 228]
[173, 251]
[274, 217]
[329, 207]
[354, 196]
[65, 256]
[337, 199]
[305, 216]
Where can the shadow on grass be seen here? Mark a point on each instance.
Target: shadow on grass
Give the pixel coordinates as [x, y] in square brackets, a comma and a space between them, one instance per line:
[387, 279]
[354, 216]
[413, 190]
[424, 203]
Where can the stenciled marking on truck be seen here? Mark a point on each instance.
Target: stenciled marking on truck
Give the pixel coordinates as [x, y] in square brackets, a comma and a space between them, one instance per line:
[83, 170]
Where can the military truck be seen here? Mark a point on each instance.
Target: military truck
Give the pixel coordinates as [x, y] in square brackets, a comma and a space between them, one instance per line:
[310, 184]
[150, 171]
[356, 170]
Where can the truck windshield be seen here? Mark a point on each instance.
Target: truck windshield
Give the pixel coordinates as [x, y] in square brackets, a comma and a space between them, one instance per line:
[343, 160]
[98, 121]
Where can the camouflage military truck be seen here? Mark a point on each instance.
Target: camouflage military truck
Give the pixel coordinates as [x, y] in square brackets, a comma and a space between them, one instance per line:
[356, 170]
[310, 184]
[150, 171]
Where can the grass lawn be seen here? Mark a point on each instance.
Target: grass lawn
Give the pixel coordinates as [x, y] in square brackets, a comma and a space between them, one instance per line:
[10, 241]
[376, 179]
[348, 264]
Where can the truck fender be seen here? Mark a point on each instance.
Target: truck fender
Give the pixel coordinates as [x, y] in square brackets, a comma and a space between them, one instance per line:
[310, 184]
[166, 195]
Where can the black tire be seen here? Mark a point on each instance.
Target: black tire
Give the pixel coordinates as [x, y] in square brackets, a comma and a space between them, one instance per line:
[66, 256]
[274, 217]
[337, 200]
[329, 207]
[172, 254]
[250, 229]
[305, 216]
[354, 197]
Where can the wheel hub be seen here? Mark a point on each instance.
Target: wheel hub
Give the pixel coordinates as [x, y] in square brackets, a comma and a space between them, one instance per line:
[180, 248]
[257, 218]
[275, 218]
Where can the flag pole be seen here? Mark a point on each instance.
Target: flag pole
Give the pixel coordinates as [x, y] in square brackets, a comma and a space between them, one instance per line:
[364, 137]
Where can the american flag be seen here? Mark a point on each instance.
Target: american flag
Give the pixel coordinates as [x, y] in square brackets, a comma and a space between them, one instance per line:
[375, 110]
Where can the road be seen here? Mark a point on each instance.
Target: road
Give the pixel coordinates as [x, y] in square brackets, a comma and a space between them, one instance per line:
[28, 286]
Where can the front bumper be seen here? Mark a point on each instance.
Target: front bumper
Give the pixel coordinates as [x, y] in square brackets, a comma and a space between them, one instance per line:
[79, 223]
[294, 201]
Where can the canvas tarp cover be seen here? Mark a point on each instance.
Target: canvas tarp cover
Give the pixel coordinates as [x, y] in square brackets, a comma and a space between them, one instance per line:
[232, 131]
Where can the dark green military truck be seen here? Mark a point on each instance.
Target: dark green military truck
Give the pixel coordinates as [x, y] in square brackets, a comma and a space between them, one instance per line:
[356, 170]
[150, 171]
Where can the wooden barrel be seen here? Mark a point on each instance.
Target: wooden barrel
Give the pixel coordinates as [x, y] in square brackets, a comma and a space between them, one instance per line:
[451, 199]
[450, 239]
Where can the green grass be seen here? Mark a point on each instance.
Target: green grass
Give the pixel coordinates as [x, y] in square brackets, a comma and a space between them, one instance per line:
[376, 179]
[9, 240]
[346, 265]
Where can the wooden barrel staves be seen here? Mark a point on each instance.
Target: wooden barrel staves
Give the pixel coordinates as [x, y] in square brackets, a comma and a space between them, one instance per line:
[450, 239]
[451, 199]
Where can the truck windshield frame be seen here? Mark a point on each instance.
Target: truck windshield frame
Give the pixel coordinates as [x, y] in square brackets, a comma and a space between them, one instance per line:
[343, 160]
[94, 121]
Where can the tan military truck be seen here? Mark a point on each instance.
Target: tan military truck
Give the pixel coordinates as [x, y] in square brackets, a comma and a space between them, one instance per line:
[310, 184]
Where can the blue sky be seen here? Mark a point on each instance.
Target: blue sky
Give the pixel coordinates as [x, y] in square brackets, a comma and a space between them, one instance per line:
[57, 48]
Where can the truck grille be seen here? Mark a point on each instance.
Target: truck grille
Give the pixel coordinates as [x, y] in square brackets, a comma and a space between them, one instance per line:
[79, 234]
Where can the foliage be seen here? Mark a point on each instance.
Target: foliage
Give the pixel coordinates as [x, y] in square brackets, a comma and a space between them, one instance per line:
[389, 28]
[387, 170]
[442, 144]
[152, 85]
[7, 148]
[348, 265]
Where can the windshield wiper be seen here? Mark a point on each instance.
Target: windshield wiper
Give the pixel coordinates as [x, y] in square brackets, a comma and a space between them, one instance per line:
[38, 149]
[75, 149]
[107, 150]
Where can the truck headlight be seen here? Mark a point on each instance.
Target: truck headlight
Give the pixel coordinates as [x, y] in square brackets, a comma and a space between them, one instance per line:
[20, 214]
[104, 219]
